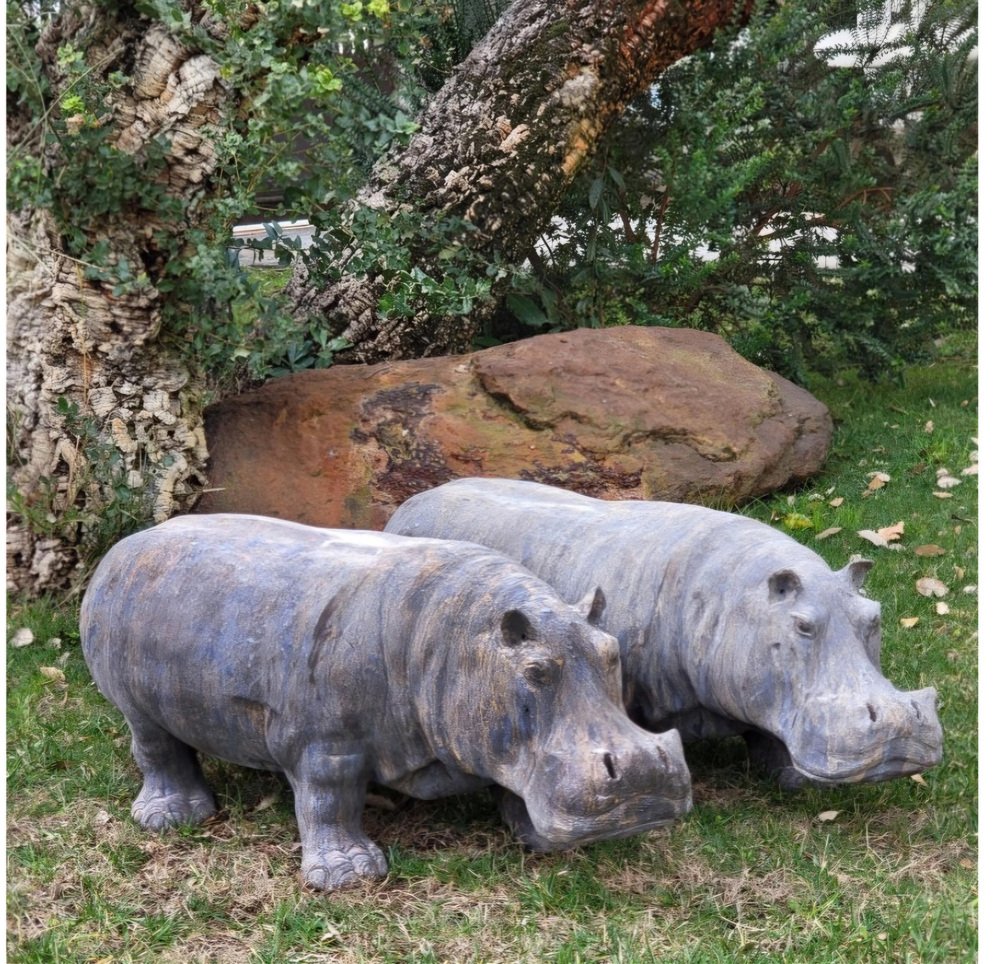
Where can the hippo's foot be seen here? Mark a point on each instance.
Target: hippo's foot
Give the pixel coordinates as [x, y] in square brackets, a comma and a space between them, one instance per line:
[769, 754]
[339, 867]
[159, 808]
[514, 813]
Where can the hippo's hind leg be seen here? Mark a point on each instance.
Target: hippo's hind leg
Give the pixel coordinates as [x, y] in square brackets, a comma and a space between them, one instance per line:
[173, 790]
[329, 798]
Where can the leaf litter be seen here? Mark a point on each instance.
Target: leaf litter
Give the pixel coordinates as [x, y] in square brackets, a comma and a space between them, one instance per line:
[884, 537]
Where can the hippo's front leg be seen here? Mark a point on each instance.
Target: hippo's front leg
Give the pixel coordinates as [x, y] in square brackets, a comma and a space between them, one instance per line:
[770, 755]
[329, 798]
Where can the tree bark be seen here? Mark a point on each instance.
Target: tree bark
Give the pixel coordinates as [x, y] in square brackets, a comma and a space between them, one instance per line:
[500, 143]
[103, 418]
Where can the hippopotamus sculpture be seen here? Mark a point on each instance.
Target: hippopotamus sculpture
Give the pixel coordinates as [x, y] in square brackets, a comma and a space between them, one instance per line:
[726, 626]
[428, 666]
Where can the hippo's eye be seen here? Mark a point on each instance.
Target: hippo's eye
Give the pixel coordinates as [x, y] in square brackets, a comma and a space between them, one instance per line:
[540, 673]
[805, 627]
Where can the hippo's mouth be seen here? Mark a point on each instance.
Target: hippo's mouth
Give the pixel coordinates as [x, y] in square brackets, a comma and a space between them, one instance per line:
[885, 763]
[566, 831]
[883, 760]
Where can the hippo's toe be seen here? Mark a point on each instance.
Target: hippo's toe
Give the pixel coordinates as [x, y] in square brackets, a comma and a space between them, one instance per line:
[334, 869]
[157, 810]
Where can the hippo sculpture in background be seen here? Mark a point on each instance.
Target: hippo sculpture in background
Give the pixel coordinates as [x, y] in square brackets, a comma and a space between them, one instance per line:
[428, 666]
[726, 626]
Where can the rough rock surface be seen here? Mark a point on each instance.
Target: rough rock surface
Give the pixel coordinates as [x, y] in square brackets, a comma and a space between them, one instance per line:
[620, 413]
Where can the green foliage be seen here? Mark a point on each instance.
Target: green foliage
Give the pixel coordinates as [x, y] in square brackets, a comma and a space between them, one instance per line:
[316, 93]
[725, 198]
[720, 201]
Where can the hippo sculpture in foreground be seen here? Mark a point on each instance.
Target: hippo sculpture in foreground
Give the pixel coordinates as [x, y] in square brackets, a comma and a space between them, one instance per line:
[429, 666]
[726, 626]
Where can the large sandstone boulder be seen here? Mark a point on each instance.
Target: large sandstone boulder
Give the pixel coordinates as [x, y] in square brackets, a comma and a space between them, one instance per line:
[620, 413]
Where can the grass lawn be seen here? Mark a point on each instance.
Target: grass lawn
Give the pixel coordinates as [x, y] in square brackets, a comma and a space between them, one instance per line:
[886, 872]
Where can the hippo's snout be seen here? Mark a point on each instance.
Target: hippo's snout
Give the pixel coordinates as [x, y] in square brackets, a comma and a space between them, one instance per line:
[623, 773]
[924, 703]
[612, 788]
[869, 739]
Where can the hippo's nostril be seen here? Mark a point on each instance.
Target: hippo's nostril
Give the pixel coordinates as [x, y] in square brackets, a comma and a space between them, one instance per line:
[609, 765]
[872, 715]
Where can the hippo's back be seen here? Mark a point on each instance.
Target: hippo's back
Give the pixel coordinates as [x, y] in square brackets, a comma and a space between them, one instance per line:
[574, 541]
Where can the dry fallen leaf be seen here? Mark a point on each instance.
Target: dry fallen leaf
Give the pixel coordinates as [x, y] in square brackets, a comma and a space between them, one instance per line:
[23, 637]
[53, 674]
[101, 818]
[893, 532]
[944, 495]
[827, 815]
[908, 622]
[942, 608]
[877, 481]
[882, 537]
[928, 426]
[837, 502]
[796, 520]
[971, 469]
[826, 533]
[929, 550]
[929, 586]
[947, 482]
[917, 778]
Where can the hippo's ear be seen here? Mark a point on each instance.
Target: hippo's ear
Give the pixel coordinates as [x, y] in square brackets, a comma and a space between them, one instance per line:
[784, 585]
[857, 570]
[592, 606]
[516, 628]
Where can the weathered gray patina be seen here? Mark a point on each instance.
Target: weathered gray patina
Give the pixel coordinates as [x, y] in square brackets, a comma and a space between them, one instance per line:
[339, 658]
[726, 625]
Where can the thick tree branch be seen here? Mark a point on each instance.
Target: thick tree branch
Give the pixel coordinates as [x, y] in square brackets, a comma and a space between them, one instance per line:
[501, 142]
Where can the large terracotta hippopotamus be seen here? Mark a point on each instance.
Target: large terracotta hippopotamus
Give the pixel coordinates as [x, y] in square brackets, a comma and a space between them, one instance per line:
[726, 626]
[429, 666]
